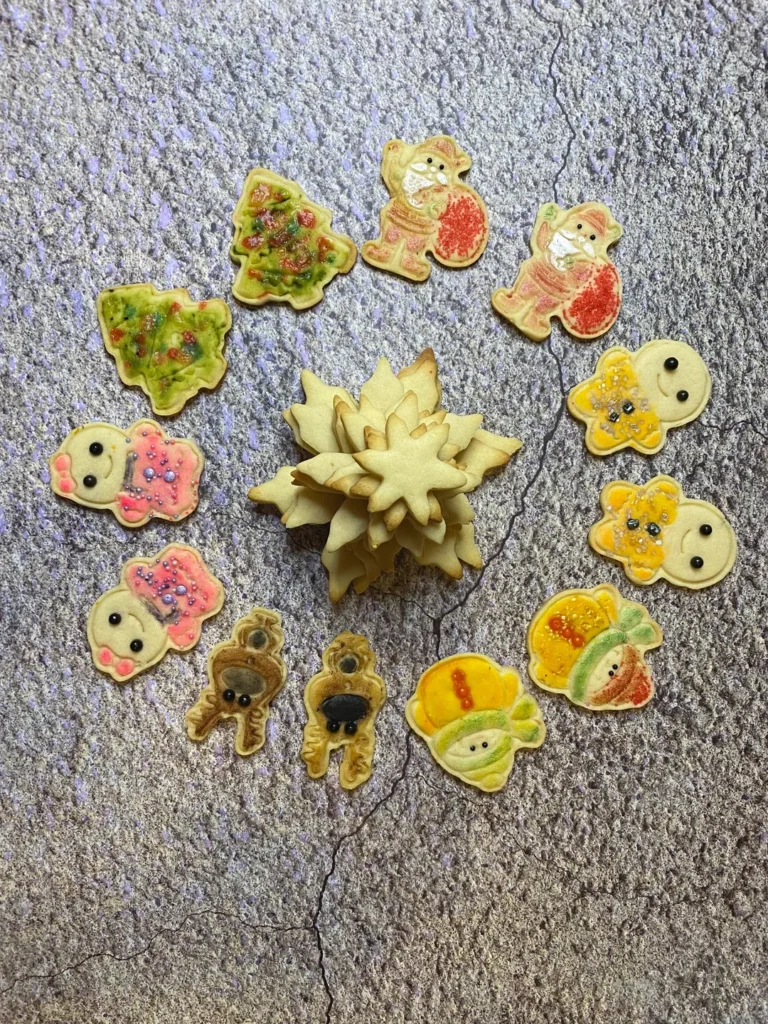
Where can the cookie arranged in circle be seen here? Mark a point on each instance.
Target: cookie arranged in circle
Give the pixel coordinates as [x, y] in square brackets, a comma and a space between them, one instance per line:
[160, 604]
[475, 715]
[590, 645]
[633, 398]
[430, 210]
[342, 702]
[568, 276]
[658, 533]
[245, 674]
[138, 474]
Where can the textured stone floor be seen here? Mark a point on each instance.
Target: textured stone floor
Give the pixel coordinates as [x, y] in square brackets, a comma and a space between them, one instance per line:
[621, 874]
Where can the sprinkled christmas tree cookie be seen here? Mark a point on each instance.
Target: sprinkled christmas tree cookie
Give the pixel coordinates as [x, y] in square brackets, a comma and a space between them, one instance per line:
[159, 605]
[163, 342]
[634, 398]
[569, 275]
[590, 645]
[245, 674]
[430, 210]
[391, 471]
[475, 715]
[139, 473]
[284, 244]
[658, 533]
[342, 702]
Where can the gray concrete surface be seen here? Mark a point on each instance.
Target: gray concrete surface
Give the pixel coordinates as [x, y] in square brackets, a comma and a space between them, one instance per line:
[621, 874]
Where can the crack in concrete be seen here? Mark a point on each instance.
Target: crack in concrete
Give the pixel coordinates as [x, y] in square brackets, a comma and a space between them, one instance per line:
[556, 93]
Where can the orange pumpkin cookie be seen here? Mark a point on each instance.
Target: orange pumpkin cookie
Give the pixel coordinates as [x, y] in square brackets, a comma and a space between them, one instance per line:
[658, 533]
[590, 645]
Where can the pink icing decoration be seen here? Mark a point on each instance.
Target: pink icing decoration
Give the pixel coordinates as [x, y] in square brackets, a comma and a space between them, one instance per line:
[162, 458]
[105, 656]
[67, 484]
[124, 667]
[62, 462]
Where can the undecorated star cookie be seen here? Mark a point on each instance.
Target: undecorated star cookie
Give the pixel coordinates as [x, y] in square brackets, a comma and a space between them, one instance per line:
[633, 398]
[569, 275]
[430, 210]
[284, 244]
[388, 472]
[590, 645]
[475, 715]
[658, 533]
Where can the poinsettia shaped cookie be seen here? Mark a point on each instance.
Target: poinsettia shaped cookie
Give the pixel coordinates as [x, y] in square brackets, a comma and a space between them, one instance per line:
[658, 533]
[138, 474]
[569, 275]
[391, 471]
[430, 210]
[633, 398]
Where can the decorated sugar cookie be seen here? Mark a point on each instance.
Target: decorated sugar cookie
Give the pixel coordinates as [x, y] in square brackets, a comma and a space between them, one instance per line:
[590, 645]
[164, 342]
[160, 604]
[658, 533]
[342, 702]
[245, 674]
[430, 210]
[475, 715]
[139, 473]
[634, 398]
[284, 244]
[391, 471]
[569, 275]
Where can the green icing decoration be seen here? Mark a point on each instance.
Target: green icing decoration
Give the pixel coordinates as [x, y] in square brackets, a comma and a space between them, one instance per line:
[593, 652]
[164, 342]
[284, 244]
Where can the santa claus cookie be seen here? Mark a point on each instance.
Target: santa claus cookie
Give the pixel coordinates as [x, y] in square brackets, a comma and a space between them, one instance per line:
[160, 604]
[658, 533]
[245, 673]
[138, 474]
[590, 645]
[633, 398]
[430, 210]
[569, 275]
[475, 715]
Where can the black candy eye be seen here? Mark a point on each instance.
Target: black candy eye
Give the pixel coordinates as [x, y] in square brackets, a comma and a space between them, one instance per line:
[628, 408]
[593, 237]
[244, 700]
[350, 728]
[671, 364]
[614, 417]
[611, 672]
[136, 645]
[96, 448]
[682, 396]
[578, 227]
[429, 159]
[332, 726]
[442, 167]
[615, 667]
[257, 638]
[632, 524]
[697, 561]
[705, 530]
[115, 619]
[654, 529]
[472, 747]
[228, 696]
[485, 744]
[89, 481]
[348, 664]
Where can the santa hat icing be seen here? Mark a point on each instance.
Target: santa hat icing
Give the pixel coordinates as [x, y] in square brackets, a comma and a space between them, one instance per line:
[179, 590]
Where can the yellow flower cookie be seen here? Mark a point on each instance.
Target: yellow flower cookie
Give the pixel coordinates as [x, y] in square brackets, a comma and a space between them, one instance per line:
[475, 715]
[590, 645]
[658, 533]
[634, 398]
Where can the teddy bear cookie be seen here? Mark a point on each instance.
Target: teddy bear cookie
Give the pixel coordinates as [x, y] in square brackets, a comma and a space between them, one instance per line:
[284, 244]
[430, 210]
[658, 533]
[138, 474]
[634, 398]
[164, 342]
[342, 702]
[475, 715]
[569, 275]
[590, 645]
[245, 674]
[159, 605]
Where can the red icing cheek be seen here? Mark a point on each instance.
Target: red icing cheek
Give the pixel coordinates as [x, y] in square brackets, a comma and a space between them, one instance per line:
[105, 656]
[62, 463]
[124, 667]
[67, 485]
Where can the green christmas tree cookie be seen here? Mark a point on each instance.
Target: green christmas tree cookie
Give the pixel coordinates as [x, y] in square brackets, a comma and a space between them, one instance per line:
[164, 342]
[284, 244]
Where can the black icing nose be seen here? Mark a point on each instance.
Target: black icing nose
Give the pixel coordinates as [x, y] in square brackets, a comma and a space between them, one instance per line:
[344, 707]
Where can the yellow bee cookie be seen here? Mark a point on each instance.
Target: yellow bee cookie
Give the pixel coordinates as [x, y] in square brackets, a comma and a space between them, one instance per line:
[475, 715]
[658, 533]
[634, 398]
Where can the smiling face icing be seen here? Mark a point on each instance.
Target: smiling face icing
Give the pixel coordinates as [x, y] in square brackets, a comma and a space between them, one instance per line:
[90, 465]
[674, 378]
[125, 635]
